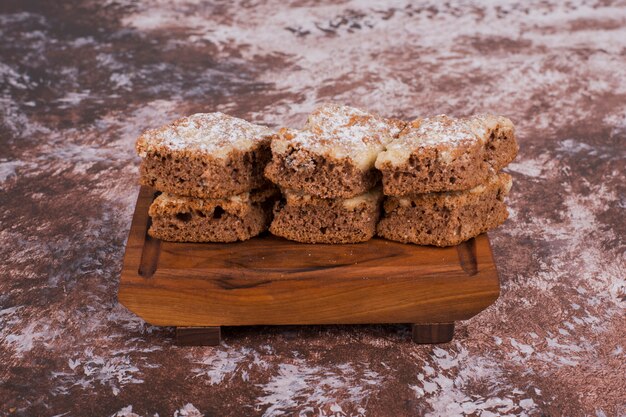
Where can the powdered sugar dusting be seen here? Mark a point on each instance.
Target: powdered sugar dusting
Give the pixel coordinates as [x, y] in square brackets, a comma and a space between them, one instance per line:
[216, 134]
[351, 124]
[441, 132]
[341, 132]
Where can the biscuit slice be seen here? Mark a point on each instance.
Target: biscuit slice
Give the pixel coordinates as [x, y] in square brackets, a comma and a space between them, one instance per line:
[333, 155]
[447, 218]
[446, 154]
[190, 219]
[309, 219]
[205, 155]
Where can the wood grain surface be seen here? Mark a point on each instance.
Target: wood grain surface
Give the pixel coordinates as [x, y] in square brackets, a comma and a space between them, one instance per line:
[270, 280]
[198, 336]
[432, 333]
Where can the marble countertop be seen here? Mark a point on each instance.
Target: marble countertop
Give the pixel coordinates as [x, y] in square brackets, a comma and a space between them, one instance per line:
[80, 79]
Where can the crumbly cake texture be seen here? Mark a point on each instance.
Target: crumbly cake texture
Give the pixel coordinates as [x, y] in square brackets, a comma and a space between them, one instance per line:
[446, 154]
[206, 155]
[333, 155]
[446, 218]
[309, 219]
[189, 219]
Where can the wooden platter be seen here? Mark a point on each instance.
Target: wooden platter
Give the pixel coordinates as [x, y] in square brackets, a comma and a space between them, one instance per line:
[198, 287]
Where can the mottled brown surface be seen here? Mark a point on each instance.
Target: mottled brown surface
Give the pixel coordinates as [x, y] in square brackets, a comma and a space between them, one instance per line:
[79, 80]
[188, 219]
[202, 176]
[309, 219]
[448, 218]
[324, 176]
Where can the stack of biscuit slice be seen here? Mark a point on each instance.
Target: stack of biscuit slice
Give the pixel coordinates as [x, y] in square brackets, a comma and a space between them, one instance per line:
[208, 168]
[442, 179]
[223, 179]
[326, 174]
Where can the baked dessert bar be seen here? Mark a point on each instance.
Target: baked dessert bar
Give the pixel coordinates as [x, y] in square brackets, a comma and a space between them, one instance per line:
[206, 155]
[333, 155]
[446, 218]
[309, 219]
[446, 154]
[190, 219]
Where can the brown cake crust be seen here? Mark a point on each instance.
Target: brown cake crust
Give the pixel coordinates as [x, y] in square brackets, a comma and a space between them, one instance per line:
[194, 174]
[323, 176]
[501, 147]
[310, 219]
[189, 219]
[445, 154]
[333, 155]
[206, 155]
[447, 218]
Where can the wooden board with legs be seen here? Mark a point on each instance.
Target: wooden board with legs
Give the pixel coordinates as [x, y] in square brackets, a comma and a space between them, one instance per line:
[271, 281]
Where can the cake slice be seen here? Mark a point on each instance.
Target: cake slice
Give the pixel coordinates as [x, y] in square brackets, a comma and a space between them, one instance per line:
[446, 154]
[333, 155]
[447, 218]
[206, 155]
[309, 219]
[190, 219]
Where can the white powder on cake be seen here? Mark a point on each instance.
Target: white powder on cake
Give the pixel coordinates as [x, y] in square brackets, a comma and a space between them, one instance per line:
[341, 132]
[216, 134]
[441, 132]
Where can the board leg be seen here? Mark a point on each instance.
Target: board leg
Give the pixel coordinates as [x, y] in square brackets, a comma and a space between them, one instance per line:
[198, 336]
[433, 332]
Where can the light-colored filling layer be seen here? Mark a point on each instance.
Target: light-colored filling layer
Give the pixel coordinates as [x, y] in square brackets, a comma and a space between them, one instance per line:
[503, 180]
[369, 198]
[167, 198]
